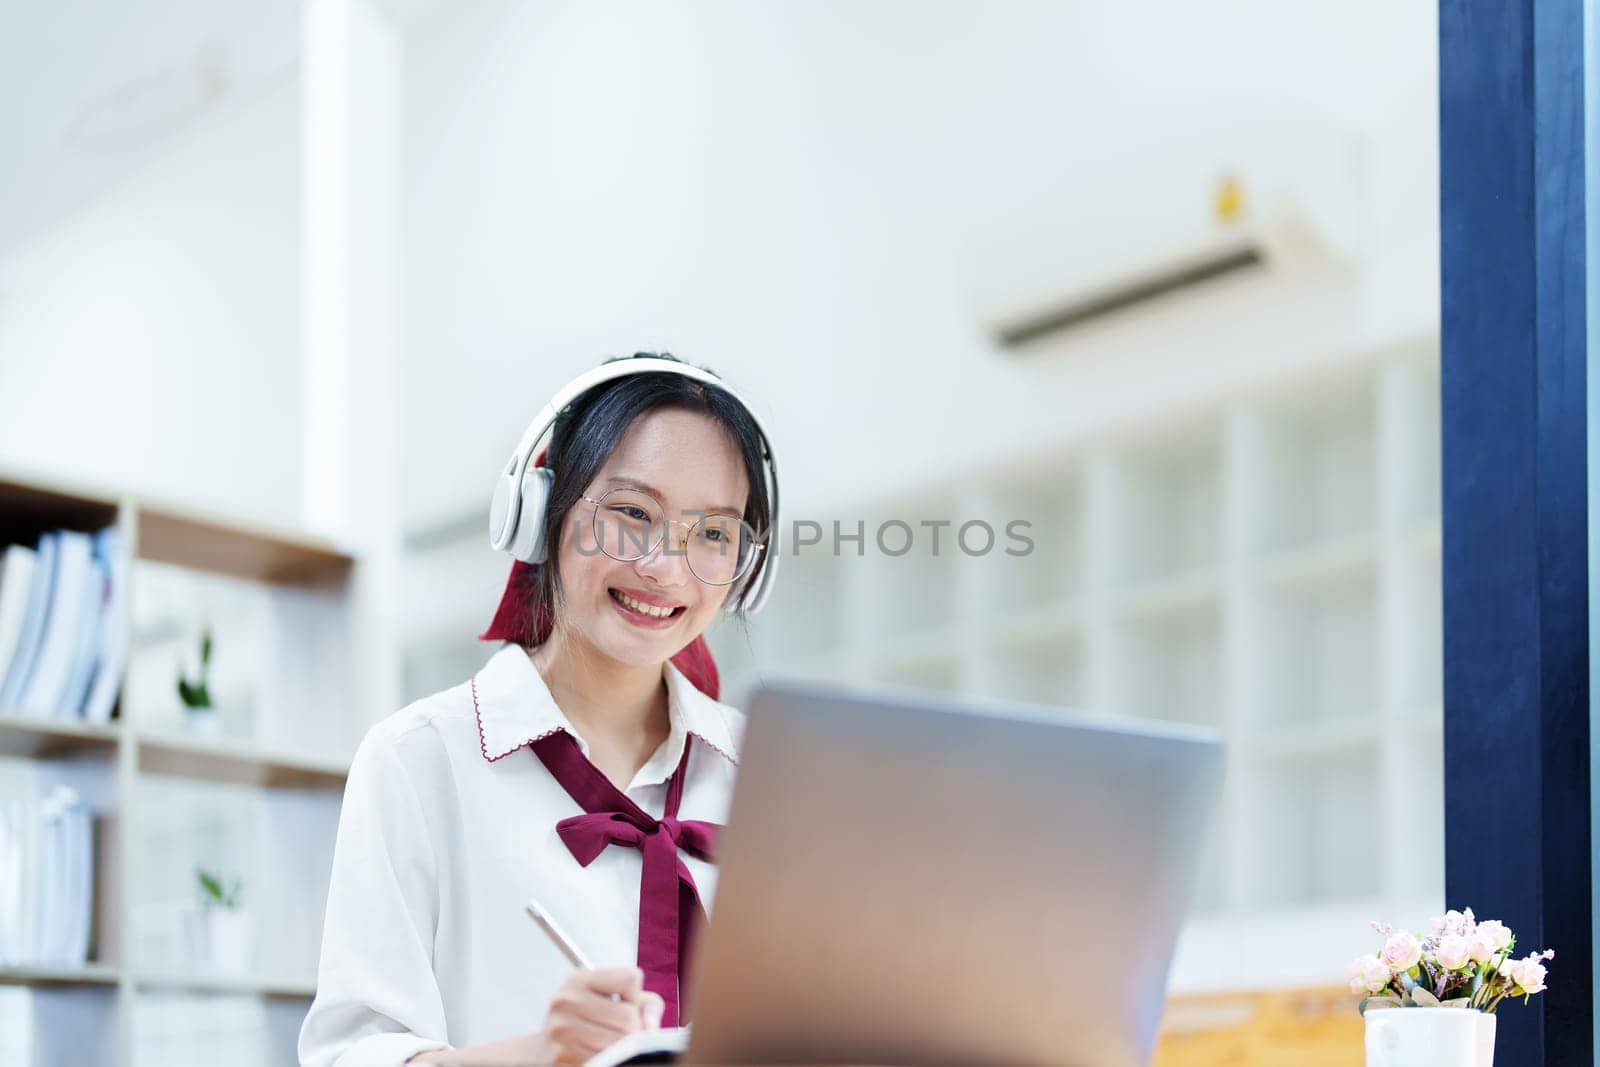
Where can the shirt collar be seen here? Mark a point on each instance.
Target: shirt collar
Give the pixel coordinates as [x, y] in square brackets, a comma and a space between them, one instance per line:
[514, 708]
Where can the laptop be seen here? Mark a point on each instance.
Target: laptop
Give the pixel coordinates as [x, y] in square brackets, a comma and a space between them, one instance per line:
[910, 878]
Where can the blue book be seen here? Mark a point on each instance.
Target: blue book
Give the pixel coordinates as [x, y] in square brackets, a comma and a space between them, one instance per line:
[20, 668]
[94, 629]
[113, 644]
[70, 595]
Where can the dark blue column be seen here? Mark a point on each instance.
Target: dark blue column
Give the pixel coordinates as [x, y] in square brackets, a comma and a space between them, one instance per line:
[1516, 673]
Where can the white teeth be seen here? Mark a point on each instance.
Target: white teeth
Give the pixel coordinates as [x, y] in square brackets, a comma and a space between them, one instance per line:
[643, 609]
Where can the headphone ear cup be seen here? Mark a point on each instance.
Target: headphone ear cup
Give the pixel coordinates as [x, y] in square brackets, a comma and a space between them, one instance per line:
[499, 505]
[758, 589]
[527, 540]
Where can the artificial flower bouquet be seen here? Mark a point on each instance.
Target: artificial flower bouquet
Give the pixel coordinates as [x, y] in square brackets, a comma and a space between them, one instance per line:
[1463, 963]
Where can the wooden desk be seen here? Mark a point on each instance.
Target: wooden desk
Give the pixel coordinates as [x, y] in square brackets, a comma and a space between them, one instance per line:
[1305, 1027]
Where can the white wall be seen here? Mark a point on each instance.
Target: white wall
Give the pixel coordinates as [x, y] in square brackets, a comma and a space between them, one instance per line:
[806, 197]
[151, 340]
[809, 198]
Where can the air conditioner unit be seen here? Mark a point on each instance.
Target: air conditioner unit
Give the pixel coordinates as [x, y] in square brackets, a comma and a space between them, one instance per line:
[1116, 245]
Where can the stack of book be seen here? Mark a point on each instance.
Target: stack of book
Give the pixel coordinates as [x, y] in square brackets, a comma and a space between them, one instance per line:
[62, 642]
[46, 880]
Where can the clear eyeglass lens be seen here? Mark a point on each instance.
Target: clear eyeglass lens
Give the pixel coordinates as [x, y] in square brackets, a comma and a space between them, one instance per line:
[629, 524]
[721, 548]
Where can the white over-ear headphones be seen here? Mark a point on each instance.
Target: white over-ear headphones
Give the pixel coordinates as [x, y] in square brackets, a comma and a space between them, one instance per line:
[516, 514]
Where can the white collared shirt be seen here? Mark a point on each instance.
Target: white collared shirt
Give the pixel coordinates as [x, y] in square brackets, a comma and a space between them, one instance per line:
[448, 829]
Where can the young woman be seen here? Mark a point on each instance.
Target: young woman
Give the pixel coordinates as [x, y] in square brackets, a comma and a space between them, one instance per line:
[585, 767]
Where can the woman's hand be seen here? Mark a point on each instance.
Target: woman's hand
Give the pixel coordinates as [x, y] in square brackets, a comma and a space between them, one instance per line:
[583, 1020]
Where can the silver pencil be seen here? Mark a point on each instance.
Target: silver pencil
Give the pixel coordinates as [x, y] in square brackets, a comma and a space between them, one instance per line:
[568, 948]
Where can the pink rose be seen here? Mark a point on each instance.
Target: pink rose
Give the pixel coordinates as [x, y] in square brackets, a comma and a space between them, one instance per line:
[1496, 933]
[1369, 974]
[1402, 951]
[1528, 975]
[1454, 952]
[1454, 922]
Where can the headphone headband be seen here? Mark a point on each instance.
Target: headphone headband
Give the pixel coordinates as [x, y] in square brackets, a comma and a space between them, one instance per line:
[512, 522]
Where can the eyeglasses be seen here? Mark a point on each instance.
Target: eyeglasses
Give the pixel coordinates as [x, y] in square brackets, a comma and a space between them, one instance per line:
[628, 525]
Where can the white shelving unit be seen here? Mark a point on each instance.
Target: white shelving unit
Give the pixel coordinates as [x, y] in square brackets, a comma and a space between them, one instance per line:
[260, 801]
[1268, 567]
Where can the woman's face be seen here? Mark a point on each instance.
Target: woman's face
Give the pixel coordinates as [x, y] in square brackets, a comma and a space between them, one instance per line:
[690, 465]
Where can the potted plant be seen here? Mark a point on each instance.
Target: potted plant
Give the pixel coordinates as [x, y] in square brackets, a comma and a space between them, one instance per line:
[199, 715]
[219, 932]
[1463, 969]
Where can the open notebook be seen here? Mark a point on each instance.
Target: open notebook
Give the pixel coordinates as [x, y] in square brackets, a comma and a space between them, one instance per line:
[644, 1046]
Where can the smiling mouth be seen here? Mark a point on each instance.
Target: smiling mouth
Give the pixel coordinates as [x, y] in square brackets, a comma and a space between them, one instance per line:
[644, 609]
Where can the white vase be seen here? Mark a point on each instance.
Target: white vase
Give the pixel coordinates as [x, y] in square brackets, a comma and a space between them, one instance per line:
[197, 936]
[220, 940]
[203, 722]
[1429, 1037]
[232, 940]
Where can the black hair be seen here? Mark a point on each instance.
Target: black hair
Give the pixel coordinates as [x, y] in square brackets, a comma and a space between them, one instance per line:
[588, 430]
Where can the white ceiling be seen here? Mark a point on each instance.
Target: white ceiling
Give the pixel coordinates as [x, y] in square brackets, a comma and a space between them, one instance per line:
[91, 90]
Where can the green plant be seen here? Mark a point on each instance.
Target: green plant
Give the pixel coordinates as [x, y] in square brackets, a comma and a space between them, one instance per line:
[196, 694]
[214, 893]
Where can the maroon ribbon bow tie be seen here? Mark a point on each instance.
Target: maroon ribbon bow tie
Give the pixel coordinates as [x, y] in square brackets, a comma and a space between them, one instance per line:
[669, 903]
[586, 836]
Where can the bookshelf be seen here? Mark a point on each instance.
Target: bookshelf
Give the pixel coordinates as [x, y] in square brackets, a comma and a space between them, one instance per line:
[1268, 566]
[258, 800]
